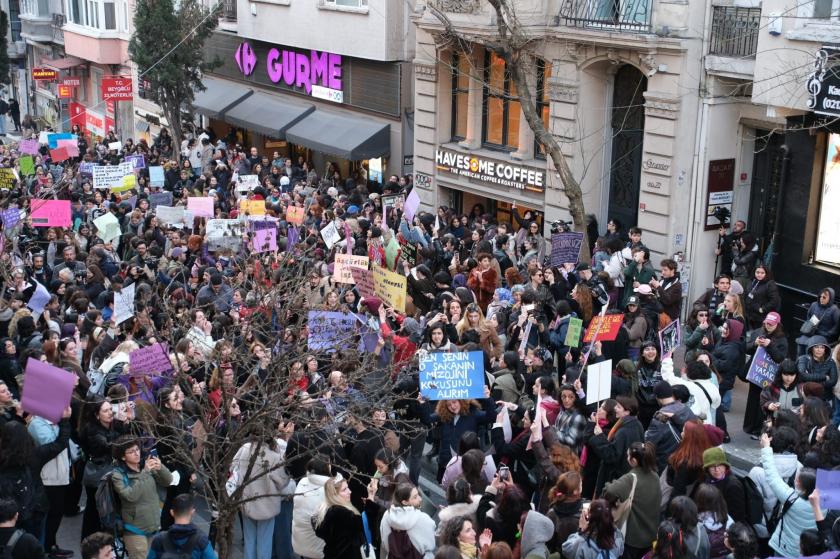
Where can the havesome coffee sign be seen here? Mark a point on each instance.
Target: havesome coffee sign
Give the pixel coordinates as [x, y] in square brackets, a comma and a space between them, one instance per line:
[490, 171]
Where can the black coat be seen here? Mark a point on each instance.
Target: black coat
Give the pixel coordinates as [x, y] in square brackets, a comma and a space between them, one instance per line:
[728, 359]
[761, 298]
[342, 532]
[450, 432]
[613, 453]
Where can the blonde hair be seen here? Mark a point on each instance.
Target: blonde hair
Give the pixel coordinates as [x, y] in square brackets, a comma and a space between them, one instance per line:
[332, 498]
[464, 324]
[737, 308]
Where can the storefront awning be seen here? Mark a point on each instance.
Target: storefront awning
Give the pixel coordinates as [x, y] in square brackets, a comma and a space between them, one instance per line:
[219, 96]
[267, 114]
[349, 137]
[62, 63]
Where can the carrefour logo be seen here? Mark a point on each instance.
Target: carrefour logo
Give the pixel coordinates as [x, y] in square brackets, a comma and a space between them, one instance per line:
[246, 58]
[316, 72]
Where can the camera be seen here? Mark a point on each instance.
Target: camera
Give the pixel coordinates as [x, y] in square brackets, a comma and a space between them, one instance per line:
[560, 226]
[722, 214]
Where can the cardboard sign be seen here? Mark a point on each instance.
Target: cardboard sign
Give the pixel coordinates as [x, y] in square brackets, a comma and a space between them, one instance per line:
[27, 166]
[51, 213]
[47, 390]
[40, 298]
[412, 202]
[128, 182]
[565, 247]
[330, 235]
[29, 146]
[160, 199]
[156, 176]
[669, 338]
[598, 382]
[252, 207]
[363, 279]
[153, 360]
[111, 176]
[72, 147]
[330, 330]
[201, 206]
[124, 304]
[452, 376]
[408, 252]
[343, 263]
[170, 215]
[224, 234]
[11, 217]
[247, 183]
[7, 178]
[54, 137]
[86, 168]
[115, 146]
[264, 240]
[295, 215]
[108, 227]
[573, 332]
[762, 370]
[137, 161]
[610, 325]
[389, 287]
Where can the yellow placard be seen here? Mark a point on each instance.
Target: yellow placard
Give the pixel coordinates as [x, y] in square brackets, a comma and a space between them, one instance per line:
[252, 207]
[390, 287]
[128, 182]
[7, 178]
[344, 263]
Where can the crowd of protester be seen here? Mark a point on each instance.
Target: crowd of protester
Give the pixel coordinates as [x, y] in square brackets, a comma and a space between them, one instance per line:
[529, 471]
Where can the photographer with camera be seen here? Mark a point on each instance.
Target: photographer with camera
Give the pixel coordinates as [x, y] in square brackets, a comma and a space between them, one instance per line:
[728, 244]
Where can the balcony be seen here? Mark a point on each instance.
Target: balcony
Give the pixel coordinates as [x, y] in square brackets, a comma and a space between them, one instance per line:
[608, 15]
[229, 10]
[734, 31]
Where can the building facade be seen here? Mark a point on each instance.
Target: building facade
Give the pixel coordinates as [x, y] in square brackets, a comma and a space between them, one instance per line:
[334, 85]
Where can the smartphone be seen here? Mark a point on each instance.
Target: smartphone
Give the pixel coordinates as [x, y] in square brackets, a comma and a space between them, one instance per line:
[504, 473]
[153, 453]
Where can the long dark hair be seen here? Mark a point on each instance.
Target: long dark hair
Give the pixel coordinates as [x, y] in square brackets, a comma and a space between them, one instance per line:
[644, 454]
[710, 499]
[601, 526]
[670, 542]
[16, 446]
[786, 366]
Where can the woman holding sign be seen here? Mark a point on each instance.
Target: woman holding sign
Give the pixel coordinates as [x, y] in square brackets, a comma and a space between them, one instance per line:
[772, 339]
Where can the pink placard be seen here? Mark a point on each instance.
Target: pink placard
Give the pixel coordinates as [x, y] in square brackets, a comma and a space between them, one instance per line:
[59, 154]
[71, 146]
[29, 146]
[201, 206]
[51, 213]
[264, 240]
[46, 390]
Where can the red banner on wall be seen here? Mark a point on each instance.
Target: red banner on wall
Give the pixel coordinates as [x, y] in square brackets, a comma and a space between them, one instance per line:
[117, 88]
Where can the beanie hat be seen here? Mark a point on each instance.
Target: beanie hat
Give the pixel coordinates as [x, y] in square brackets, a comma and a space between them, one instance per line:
[714, 456]
[663, 390]
[715, 433]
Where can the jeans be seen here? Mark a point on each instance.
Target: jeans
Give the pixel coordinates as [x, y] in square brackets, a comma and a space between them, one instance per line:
[726, 401]
[283, 531]
[259, 537]
[835, 415]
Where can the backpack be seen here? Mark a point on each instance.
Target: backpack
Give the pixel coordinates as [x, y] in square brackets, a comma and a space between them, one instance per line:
[171, 551]
[20, 488]
[108, 503]
[399, 545]
[753, 499]
[101, 381]
[9, 548]
[779, 509]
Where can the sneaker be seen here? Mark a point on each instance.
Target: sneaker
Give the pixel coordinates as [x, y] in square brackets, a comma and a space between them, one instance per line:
[58, 553]
[726, 439]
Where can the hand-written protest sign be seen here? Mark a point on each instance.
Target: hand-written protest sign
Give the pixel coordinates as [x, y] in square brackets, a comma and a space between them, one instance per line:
[153, 359]
[573, 332]
[27, 166]
[669, 338]
[224, 234]
[598, 381]
[363, 278]
[452, 376]
[29, 146]
[343, 264]
[51, 213]
[247, 183]
[7, 178]
[40, 298]
[565, 247]
[264, 240]
[137, 161]
[201, 206]
[390, 287]
[295, 215]
[252, 207]
[610, 325]
[156, 176]
[11, 217]
[86, 167]
[828, 482]
[762, 369]
[408, 252]
[330, 330]
[111, 176]
[47, 390]
[330, 235]
[160, 199]
[124, 304]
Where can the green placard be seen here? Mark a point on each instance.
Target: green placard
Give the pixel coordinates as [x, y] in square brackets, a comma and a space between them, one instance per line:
[27, 166]
[574, 332]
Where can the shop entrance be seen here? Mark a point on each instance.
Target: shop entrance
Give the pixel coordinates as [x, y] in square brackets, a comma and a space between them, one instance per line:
[465, 203]
[628, 128]
[765, 185]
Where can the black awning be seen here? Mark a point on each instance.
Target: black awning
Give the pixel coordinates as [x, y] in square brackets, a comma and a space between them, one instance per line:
[267, 114]
[350, 137]
[219, 96]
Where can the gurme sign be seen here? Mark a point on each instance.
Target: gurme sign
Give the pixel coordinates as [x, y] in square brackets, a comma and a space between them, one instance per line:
[490, 170]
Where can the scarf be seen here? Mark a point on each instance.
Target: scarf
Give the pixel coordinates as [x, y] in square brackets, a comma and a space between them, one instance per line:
[584, 453]
[615, 429]
[468, 550]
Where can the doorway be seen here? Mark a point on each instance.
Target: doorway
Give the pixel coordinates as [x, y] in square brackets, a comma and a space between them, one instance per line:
[628, 129]
[764, 187]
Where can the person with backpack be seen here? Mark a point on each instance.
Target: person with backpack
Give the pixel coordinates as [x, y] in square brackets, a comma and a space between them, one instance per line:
[183, 540]
[407, 532]
[783, 444]
[719, 474]
[135, 483]
[16, 543]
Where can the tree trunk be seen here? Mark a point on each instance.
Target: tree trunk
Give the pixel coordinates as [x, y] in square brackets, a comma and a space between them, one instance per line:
[172, 112]
[224, 533]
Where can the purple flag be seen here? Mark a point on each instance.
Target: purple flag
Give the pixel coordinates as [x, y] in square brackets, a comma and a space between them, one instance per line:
[47, 390]
[293, 236]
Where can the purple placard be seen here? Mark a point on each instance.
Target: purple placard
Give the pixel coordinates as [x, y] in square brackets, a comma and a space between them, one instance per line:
[153, 359]
[86, 167]
[292, 236]
[138, 161]
[29, 146]
[264, 240]
[11, 217]
[46, 390]
[412, 202]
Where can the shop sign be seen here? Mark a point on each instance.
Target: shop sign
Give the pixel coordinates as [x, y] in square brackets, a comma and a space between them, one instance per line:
[117, 89]
[64, 91]
[44, 74]
[72, 82]
[95, 122]
[824, 82]
[408, 160]
[490, 171]
[316, 72]
[721, 184]
[422, 180]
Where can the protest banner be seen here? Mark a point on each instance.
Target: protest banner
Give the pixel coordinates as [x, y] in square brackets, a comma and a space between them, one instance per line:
[295, 215]
[390, 287]
[452, 376]
[343, 264]
[252, 207]
[828, 482]
[608, 328]
[56, 171]
[111, 176]
[247, 183]
[573, 332]
[51, 213]
[124, 304]
[670, 338]
[412, 202]
[7, 178]
[153, 359]
[763, 369]
[27, 166]
[330, 235]
[108, 227]
[40, 298]
[264, 240]
[47, 390]
[86, 168]
[29, 146]
[170, 215]
[201, 206]
[137, 161]
[156, 176]
[160, 199]
[224, 234]
[330, 330]
[598, 381]
[363, 278]
[565, 247]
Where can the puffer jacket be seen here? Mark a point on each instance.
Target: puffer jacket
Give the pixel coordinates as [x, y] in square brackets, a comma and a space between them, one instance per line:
[799, 517]
[308, 498]
[138, 495]
[269, 480]
[417, 524]
[823, 372]
[728, 355]
[579, 546]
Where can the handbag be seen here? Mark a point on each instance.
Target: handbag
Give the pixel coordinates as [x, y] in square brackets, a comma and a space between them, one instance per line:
[809, 326]
[621, 513]
[367, 551]
[94, 472]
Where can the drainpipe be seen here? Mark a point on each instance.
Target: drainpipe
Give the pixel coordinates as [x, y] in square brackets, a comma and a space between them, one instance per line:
[780, 199]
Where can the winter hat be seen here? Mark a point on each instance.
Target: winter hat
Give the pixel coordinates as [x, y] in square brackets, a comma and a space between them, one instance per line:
[582, 267]
[284, 181]
[715, 434]
[735, 288]
[714, 456]
[216, 279]
[632, 300]
[411, 327]
[772, 318]
[353, 210]
[544, 354]
[663, 390]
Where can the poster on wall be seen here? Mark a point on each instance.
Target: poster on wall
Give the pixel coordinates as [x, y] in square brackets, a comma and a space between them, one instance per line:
[721, 193]
[828, 241]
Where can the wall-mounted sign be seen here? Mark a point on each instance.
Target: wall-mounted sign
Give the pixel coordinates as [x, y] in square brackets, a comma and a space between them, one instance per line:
[64, 91]
[44, 74]
[721, 183]
[828, 242]
[490, 171]
[660, 165]
[422, 180]
[824, 82]
[72, 82]
[117, 88]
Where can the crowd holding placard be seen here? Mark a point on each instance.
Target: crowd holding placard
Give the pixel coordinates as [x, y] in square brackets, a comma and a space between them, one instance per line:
[564, 407]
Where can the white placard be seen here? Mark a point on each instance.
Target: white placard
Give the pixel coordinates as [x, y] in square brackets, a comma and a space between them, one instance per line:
[124, 304]
[116, 146]
[111, 176]
[247, 183]
[330, 235]
[171, 215]
[598, 381]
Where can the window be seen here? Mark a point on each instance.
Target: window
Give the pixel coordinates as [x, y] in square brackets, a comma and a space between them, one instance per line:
[827, 250]
[460, 94]
[35, 8]
[543, 102]
[501, 106]
[97, 14]
[346, 3]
